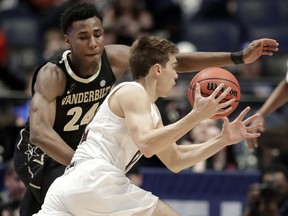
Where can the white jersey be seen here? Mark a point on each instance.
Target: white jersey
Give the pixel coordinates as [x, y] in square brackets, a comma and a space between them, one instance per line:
[108, 137]
[95, 184]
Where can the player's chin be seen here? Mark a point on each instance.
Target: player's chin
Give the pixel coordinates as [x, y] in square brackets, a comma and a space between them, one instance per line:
[91, 57]
[166, 94]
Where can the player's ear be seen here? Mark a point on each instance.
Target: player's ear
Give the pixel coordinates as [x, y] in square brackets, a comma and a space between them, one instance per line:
[157, 69]
[67, 40]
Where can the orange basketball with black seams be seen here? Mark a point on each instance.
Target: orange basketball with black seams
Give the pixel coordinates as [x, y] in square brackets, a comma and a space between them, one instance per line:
[209, 79]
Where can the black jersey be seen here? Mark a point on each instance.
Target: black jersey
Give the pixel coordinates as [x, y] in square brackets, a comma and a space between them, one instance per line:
[82, 98]
[74, 109]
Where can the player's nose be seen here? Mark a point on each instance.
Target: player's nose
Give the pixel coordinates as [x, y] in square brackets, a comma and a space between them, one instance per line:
[92, 43]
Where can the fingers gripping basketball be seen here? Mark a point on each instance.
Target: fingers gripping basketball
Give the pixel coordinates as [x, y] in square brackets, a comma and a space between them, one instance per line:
[209, 79]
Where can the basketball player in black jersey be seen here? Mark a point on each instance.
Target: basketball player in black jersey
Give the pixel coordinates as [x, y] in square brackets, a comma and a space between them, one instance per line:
[68, 89]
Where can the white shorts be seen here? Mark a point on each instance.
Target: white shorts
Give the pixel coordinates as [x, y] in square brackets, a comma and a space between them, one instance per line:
[96, 188]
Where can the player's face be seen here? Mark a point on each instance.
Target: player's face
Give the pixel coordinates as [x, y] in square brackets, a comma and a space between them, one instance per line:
[85, 38]
[168, 77]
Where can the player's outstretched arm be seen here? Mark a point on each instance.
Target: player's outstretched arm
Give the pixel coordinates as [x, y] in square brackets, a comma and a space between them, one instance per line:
[180, 157]
[137, 114]
[196, 61]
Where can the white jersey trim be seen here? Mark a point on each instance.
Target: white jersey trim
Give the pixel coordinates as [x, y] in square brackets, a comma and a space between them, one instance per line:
[73, 75]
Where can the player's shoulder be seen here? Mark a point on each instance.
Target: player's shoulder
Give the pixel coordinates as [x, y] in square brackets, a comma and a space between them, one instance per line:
[131, 90]
[133, 97]
[115, 51]
[50, 81]
[118, 56]
[51, 71]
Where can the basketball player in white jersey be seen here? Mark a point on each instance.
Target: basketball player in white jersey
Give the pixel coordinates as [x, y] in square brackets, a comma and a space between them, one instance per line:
[127, 126]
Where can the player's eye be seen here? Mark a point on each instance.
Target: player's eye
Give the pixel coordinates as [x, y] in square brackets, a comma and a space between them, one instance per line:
[98, 36]
[83, 37]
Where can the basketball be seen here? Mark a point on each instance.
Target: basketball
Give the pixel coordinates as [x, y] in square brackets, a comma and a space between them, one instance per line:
[209, 79]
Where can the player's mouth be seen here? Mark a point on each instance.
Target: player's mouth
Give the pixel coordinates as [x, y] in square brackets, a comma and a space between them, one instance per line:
[91, 54]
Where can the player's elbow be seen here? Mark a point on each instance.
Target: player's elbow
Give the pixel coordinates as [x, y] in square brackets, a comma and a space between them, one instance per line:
[147, 154]
[35, 136]
[174, 168]
[34, 139]
[173, 163]
[146, 150]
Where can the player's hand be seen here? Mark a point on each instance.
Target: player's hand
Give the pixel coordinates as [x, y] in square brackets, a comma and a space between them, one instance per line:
[257, 48]
[239, 129]
[210, 106]
[253, 142]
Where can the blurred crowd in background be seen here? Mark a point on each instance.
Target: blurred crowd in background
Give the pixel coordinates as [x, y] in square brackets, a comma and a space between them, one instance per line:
[30, 34]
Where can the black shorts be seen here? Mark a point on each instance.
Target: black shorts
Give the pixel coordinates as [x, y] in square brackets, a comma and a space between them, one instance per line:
[35, 169]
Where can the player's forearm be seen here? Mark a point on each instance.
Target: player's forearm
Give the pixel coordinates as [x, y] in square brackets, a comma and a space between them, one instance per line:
[53, 145]
[157, 140]
[189, 155]
[277, 99]
[196, 61]
[62, 154]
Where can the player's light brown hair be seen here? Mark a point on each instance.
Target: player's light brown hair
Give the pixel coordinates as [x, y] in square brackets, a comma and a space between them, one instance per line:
[147, 51]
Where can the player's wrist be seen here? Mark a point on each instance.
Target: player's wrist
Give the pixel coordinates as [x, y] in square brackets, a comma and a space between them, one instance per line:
[237, 57]
[222, 140]
[197, 115]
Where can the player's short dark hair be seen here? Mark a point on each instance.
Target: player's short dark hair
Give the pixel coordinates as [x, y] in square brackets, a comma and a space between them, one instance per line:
[147, 51]
[76, 12]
